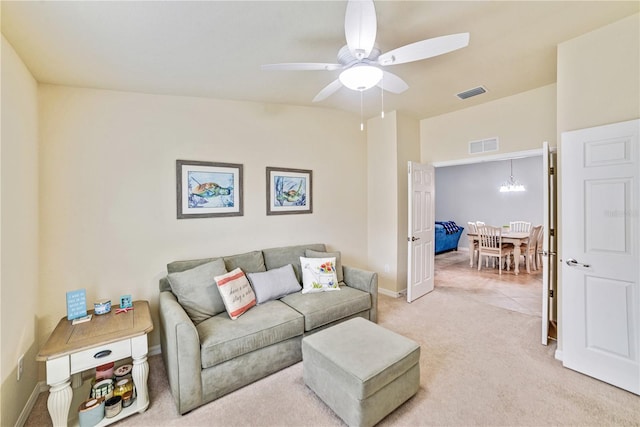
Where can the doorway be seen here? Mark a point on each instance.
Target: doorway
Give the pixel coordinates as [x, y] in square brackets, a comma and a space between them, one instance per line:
[469, 191]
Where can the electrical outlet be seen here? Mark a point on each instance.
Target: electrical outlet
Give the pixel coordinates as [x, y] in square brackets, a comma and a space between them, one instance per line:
[20, 366]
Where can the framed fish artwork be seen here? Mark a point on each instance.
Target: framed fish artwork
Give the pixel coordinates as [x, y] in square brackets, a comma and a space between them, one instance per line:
[289, 191]
[208, 189]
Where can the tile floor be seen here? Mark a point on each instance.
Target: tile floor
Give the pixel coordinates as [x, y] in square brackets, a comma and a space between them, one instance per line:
[521, 293]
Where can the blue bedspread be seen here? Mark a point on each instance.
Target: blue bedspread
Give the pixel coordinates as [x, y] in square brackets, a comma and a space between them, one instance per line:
[450, 227]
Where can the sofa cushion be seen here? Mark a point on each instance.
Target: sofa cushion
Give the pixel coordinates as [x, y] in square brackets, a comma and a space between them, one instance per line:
[222, 339]
[278, 257]
[274, 284]
[178, 266]
[197, 292]
[249, 262]
[310, 253]
[322, 308]
[318, 275]
[236, 292]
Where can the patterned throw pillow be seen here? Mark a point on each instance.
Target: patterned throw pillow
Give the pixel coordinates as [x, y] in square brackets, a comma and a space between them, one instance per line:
[236, 292]
[310, 253]
[318, 275]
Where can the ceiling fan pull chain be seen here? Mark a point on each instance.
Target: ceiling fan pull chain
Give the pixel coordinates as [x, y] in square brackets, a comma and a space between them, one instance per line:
[382, 97]
[361, 113]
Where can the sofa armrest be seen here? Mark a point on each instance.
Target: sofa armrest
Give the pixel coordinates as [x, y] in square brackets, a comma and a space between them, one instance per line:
[181, 353]
[366, 281]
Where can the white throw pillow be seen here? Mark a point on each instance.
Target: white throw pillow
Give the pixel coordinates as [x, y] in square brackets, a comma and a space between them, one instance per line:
[274, 284]
[318, 275]
[236, 292]
[310, 253]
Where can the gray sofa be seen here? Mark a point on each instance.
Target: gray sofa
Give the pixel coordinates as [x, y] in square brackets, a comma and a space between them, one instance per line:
[216, 356]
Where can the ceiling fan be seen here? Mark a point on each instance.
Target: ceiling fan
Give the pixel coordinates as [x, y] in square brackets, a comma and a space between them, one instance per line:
[360, 61]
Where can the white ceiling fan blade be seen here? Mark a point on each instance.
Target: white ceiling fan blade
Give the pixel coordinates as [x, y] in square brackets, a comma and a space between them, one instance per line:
[424, 49]
[301, 66]
[392, 83]
[360, 26]
[330, 89]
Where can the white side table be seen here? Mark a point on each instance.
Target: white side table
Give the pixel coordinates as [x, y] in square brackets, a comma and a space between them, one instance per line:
[105, 338]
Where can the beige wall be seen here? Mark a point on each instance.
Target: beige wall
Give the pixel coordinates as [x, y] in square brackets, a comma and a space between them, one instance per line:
[598, 77]
[521, 122]
[108, 187]
[598, 83]
[391, 142]
[408, 149]
[19, 227]
[382, 212]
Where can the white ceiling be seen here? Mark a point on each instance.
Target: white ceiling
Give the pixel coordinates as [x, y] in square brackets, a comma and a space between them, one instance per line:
[215, 49]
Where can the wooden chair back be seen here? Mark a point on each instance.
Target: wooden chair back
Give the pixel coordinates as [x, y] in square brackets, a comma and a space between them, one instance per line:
[520, 226]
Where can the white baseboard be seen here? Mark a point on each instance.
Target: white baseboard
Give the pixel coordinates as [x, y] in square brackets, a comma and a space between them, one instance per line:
[392, 294]
[39, 388]
[558, 355]
[154, 350]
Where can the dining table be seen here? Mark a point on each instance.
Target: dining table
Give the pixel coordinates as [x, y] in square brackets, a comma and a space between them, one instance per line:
[515, 237]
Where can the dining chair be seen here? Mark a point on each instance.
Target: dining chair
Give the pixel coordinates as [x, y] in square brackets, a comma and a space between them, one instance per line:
[529, 249]
[520, 226]
[490, 245]
[473, 242]
[538, 256]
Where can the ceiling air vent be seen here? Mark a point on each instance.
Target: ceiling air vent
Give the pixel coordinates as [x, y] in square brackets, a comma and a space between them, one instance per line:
[483, 145]
[472, 92]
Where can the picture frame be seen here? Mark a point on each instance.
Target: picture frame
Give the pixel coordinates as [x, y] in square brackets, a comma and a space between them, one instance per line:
[208, 189]
[289, 191]
[126, 301]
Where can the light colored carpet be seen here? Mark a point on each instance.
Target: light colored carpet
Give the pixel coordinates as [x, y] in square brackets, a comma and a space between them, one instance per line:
[480, 365]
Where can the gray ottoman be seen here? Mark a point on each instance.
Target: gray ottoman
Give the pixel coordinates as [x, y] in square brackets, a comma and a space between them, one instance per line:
[361, 370]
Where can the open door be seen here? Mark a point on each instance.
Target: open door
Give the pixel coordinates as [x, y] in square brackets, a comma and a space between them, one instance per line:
[601, 253]
[420, 280]
[548, 251]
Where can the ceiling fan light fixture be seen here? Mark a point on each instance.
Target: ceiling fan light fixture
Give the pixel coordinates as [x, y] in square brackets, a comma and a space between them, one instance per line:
[361, 77]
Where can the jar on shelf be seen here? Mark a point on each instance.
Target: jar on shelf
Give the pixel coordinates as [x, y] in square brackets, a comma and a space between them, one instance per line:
[122, 386]
[104, 371]
[102, 388]
[113, 406]
[127, 399]
[123, 371]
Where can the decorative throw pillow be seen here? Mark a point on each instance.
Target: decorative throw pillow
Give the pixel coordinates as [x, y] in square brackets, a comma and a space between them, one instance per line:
[310, 253]
[318, 275]
[197, 292]
[236, 292]
[274, 284]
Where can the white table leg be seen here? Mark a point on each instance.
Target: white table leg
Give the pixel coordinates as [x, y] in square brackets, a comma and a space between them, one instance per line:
[516, 256]
[471, 251]
[140, 374]
[59, 402]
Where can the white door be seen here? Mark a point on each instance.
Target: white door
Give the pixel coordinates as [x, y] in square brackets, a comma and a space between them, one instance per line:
[600, 254]
[421, 230]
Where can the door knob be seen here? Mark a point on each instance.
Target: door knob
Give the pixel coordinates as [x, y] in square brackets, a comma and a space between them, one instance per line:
[413, 238]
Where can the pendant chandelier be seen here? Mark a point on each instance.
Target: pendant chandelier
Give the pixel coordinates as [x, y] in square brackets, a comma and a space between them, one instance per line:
[511, 184]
